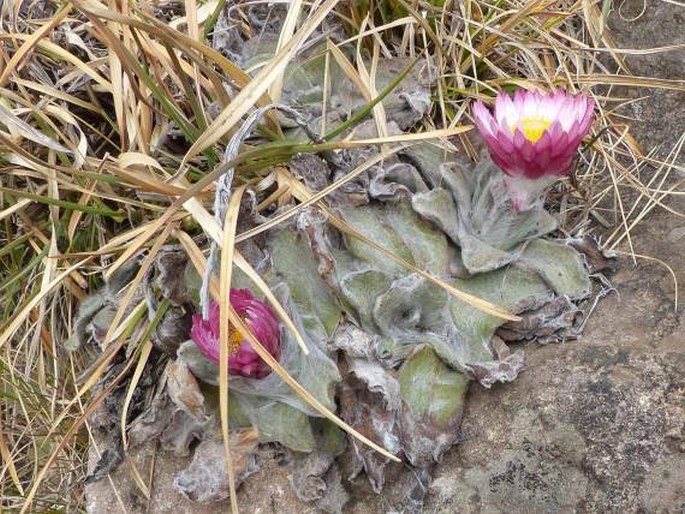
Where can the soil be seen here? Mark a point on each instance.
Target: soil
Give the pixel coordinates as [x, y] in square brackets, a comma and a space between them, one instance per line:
[592, 425]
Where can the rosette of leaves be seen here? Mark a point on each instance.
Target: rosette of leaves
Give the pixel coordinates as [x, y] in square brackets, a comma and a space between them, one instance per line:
[172, 407]
[401, 307]
[409, 346]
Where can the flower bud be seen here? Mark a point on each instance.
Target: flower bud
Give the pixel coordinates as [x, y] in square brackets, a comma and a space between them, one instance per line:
[243, 360]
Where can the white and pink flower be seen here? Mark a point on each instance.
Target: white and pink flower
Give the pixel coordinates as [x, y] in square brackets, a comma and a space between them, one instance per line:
[535, 135]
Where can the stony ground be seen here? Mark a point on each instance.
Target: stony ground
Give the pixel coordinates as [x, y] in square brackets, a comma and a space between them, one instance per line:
[593, 425]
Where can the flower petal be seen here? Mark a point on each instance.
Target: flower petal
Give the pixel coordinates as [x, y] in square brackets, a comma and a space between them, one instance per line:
[483, 119]
[512, 131]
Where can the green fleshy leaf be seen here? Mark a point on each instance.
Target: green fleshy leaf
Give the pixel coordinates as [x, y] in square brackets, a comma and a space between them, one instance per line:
[294, 263]
[437, 205]
[560, 265]
[428, 245]
[281, 423]
[432, 391]
[433, 403]
[371, 221]
[361, 290]
[481, 257]
[513, 288]
[400, 230]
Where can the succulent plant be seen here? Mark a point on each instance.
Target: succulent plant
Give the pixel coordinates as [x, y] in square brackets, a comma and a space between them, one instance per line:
[390, 350]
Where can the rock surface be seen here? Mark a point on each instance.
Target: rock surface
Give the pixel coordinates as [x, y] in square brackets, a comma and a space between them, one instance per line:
[656, 114]
[594, 425]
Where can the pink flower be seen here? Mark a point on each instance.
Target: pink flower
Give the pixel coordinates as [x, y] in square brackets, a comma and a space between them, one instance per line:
[243, 360]
[534, 135]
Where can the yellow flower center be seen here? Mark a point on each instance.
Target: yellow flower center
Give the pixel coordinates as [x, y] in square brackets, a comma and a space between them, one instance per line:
[235, 338]
[532, 127]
